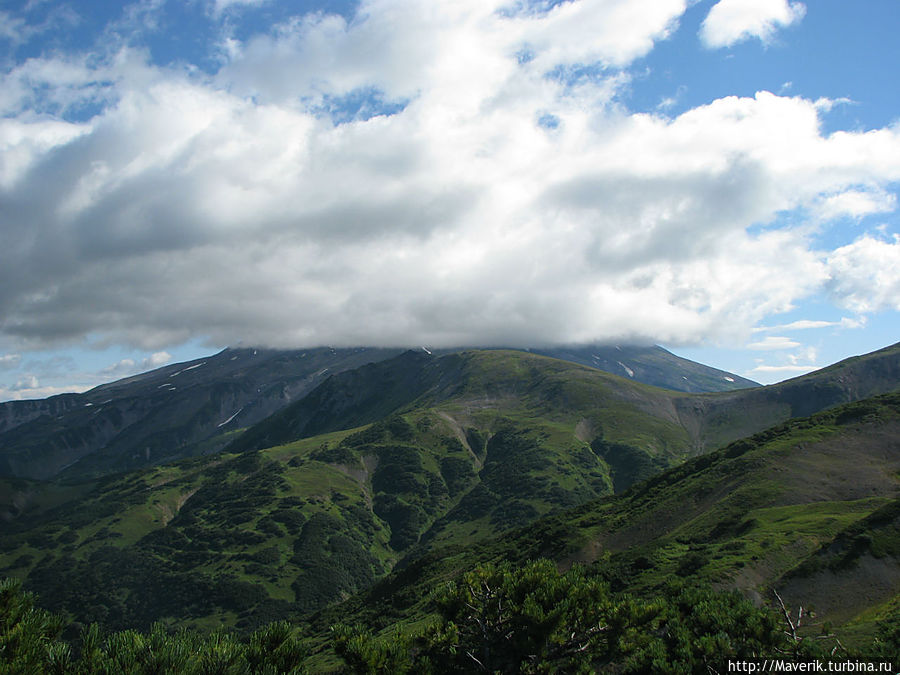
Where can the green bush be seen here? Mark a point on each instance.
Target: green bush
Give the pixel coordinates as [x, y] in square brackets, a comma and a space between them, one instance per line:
[533, 619]
[30, 645]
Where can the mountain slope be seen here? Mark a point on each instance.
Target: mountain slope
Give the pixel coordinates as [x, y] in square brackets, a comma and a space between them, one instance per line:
[165, 414]
[186, 409]
[352, 399]
[497, 378]
[651, 365]
[721, 418]
[451, 449]
[491, 442]
[809, 508]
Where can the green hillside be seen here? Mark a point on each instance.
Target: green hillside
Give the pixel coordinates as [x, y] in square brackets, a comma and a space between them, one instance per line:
[245, 536]
[304, 518]
[186, 409]
[808, 508]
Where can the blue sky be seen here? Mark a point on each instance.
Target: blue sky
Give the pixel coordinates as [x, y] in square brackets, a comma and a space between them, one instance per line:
[716, 176]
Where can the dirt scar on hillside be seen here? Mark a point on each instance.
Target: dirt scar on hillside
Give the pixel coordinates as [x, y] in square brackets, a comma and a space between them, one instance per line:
[361, 476]
[457, 429]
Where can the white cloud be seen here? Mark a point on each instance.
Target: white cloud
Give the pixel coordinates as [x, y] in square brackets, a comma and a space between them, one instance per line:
[856, 204]
[220, 6]
[126, 367]
[614, 32]
[807, 324]
[732, 21]
[29, 382]
[120, 369]
[11, 27]
[772, 342]
[155, 360]
[457, 54]
[791, 358]
[232, 207]
[18, 30]
[24, 391]
[865, 275]
[41, 377]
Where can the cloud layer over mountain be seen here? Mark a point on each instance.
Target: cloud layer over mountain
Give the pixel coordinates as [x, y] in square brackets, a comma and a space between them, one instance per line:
[442, 172]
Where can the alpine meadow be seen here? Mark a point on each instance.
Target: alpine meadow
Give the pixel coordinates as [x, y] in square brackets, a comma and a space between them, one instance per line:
[449, 336]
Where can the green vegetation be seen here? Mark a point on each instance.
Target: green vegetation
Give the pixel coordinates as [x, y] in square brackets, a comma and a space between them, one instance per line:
[486, 461]
[494, 618]
[752, 516]
[31, 644]
[532, 619]
[241, 538]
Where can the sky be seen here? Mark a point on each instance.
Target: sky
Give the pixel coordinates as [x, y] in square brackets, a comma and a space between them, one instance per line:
[719, 177]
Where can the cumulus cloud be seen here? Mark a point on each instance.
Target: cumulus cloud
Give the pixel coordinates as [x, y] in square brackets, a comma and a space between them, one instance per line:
[732, 21]
[120, 368]
[155, 360]
[27, 383]
[856, 204]
[865, 276]
[389, 180]
[37, 377]
[30, 388]
[125, 367]
[791, 358]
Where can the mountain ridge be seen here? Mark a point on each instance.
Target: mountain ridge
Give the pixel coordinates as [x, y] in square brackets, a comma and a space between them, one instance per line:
[185, 409]
[456, 449]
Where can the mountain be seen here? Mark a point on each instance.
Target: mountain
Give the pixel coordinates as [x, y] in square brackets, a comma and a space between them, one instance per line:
[810, 509]
[300, 511]
[169, 413]
[729, 416]
[192, 408]
[696, 423]
[487, 441]
[651, 365]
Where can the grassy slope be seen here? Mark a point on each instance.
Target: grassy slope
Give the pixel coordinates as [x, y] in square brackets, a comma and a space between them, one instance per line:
[664, 424]
[809, 507]
[484, 442]
[717, 419]
[245, 537]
